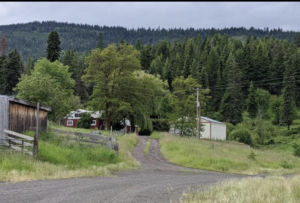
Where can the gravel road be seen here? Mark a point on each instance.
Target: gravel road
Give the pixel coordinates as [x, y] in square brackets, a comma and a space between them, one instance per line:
[158, 181]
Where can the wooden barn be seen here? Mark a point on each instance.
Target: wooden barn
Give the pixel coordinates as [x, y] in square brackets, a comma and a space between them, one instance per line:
[19, 115]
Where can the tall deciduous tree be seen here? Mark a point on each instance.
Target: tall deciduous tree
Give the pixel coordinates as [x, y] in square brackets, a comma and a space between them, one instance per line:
[53, 48]
[108, 70]
[51, 85]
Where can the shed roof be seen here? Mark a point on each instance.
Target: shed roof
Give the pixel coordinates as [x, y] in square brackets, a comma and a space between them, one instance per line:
[211, 120]
[26, 103]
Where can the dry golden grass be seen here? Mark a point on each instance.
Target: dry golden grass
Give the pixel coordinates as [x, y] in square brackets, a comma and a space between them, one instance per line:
[249, 190]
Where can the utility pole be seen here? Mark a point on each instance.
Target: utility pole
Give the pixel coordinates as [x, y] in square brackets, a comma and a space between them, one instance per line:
[198, 118]
[198, 115]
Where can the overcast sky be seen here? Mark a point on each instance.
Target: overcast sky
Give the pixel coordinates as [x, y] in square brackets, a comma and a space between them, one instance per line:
[285, 15]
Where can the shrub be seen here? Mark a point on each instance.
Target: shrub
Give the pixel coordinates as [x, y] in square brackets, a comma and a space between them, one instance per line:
[160, 125]
[229, 129]
[296, 147]
[145, 132]
[85, 121]
[241, 135]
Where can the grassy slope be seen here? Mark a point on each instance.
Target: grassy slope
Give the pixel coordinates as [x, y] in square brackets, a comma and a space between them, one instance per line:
[56, 160]
[225, 156]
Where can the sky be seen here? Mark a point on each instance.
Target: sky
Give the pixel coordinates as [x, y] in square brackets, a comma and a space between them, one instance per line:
[166, 15]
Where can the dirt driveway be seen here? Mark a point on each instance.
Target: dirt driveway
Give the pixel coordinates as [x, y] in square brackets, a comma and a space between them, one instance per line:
[158, 181]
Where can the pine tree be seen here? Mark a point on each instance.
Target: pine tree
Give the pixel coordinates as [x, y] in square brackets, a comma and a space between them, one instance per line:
[3, 46]
[288, 106]
[251, 103]
[100, 44]
[53, 48]
[13, 68]
[231, 108]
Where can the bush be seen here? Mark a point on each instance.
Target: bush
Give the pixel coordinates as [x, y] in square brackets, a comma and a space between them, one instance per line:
[296, 147]
[145, 132]
[241, 135]
[229, 129]
[85, 121]
[160, 125]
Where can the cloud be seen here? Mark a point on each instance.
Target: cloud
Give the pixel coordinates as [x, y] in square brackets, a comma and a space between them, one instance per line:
[157, 14]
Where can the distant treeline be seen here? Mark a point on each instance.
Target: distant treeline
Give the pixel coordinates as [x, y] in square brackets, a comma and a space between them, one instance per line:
[30, 38]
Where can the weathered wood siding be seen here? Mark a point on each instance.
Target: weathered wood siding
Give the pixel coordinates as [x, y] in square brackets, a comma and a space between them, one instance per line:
[23, 117]
[4, 116]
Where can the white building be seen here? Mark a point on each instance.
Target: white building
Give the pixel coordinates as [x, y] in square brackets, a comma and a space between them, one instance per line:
[213, 129]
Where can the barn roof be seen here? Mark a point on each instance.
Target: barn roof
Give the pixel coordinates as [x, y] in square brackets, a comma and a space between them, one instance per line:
[211, 120]
[26, 103]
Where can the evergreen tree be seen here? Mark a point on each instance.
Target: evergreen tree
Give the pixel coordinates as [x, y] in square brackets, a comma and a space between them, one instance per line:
[29, 65]
[13, 68]
[53, 48]
[288, 106]
[100, 44]
[231, 108]
[251, 103]
[3, 45]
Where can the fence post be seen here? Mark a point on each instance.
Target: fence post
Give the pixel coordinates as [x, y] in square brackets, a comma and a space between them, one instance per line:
[22, 146]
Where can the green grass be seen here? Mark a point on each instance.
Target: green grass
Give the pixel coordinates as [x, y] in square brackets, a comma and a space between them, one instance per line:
[81, 130]
[226, 156]
[155, 135]
[249, 190]
[147, 146]
[61, 157]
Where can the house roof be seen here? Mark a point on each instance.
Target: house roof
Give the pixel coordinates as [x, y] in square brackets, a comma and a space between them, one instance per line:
[94, 114]
[211, 120]
[26, 103]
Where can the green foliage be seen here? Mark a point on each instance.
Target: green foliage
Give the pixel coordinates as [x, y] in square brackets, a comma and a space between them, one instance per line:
[11, 68]
[241, 135]
[252, 155]
[229, 129]
[84, 121]
[296, 147]
[161, 125]
[53, 47]
[262, 99]
[184, 98]
[51, 85]
[276, 103]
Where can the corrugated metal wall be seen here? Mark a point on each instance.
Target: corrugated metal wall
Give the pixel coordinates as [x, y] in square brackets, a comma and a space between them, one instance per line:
[4, 104]
[23, 117]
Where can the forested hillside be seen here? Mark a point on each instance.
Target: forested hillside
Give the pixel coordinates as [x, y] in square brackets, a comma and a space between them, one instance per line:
[30, 38]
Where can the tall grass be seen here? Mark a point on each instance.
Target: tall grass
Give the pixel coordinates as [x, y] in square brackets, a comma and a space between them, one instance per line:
[147, 146]
[61, 157]
[249, 190]
[225, 156]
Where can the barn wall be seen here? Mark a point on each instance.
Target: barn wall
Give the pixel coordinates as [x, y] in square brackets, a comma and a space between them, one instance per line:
[4, 116]
[23, 117]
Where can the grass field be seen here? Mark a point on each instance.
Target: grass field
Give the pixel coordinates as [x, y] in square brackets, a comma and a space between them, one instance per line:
[226, 156]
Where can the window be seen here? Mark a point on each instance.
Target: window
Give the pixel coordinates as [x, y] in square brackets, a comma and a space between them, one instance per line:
[69, 123]
[77, 115]
[93, 123]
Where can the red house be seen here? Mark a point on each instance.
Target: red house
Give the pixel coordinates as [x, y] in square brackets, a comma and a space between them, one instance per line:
[72, 118]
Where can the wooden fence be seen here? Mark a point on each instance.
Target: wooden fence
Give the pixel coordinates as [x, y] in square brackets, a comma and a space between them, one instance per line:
[92, 139]
[18, 142]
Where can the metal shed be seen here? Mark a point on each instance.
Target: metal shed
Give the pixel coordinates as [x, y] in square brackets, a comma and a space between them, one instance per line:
[19, 115]
[213, 129]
